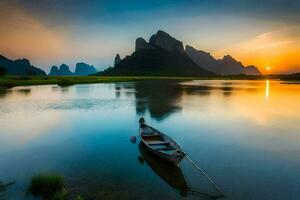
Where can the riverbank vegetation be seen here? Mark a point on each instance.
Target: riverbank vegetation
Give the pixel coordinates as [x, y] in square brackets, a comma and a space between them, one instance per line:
[50, 187]
[291, 77]
[12, 81]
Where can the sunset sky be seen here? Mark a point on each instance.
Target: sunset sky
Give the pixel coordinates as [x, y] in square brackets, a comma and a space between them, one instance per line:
[52, 32]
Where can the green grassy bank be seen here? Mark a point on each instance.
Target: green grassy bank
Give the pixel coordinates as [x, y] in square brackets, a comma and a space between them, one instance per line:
[12, 81]
[50, 187]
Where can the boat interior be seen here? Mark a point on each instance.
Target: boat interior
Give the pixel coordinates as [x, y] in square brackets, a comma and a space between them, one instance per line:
[158, 141]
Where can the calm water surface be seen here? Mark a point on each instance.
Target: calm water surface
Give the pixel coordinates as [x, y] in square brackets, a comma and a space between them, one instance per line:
[245, 134]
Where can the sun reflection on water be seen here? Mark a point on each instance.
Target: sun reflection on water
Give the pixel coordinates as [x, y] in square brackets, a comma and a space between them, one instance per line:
[267, 89]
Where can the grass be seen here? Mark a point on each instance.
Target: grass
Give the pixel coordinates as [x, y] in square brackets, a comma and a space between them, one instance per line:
[48, 186]
[79, 198]
[65, 83]
[60, 195]
[291, 78]
[12, 81]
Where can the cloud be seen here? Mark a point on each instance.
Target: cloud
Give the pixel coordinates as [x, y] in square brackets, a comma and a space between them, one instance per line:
[270, 40]
[279, 49]
[21, 35]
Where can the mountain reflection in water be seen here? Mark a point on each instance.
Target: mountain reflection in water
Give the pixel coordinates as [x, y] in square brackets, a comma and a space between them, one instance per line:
[162, 97]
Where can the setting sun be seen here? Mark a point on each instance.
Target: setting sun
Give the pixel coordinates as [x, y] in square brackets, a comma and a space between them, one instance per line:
[268, 68]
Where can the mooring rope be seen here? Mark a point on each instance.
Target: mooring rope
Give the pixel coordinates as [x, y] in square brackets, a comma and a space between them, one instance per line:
[203, 172]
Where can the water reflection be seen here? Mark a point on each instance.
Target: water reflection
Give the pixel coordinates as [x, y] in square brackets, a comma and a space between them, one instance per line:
[267, 89]
[24, 91]
[162, 98]
[3, 93]
[227, 89]
[171, 174]
[21, 91]
[196, 89]
[3, 189]
[228, 127]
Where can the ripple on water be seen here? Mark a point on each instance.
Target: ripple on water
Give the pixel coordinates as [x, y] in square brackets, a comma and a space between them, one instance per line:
[85, 104]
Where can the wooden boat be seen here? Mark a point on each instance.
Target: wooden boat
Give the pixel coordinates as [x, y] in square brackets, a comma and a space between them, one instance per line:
[160, 144]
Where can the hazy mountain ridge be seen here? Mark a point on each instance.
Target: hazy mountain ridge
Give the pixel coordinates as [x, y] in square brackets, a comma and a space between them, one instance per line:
[163, 55]
[81, 69]
[63, 70]
[251, 70]
[225, 66]
[19, 67]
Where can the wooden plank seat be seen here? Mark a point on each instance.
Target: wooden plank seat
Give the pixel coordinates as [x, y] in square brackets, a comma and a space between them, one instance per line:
[169, 152]
[152, 135]
[157, 142]
[164, 148]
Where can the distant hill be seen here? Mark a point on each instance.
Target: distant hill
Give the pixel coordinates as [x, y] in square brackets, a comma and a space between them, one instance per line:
[54, 71]
[117, 59]
[83, 69]
[163, 55]
[19, 67]
[63, 70]
[251, 70]
[225, 66]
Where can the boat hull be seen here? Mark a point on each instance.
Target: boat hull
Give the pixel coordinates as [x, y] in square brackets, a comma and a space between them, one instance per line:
[171, 158]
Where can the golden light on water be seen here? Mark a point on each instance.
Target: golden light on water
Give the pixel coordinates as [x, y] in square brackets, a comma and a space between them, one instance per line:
[267, 89]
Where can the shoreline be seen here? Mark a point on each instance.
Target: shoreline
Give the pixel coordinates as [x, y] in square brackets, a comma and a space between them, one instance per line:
[7, 82]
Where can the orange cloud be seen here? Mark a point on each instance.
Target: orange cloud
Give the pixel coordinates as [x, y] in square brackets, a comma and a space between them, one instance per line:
[279, 50]
[21, 35]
